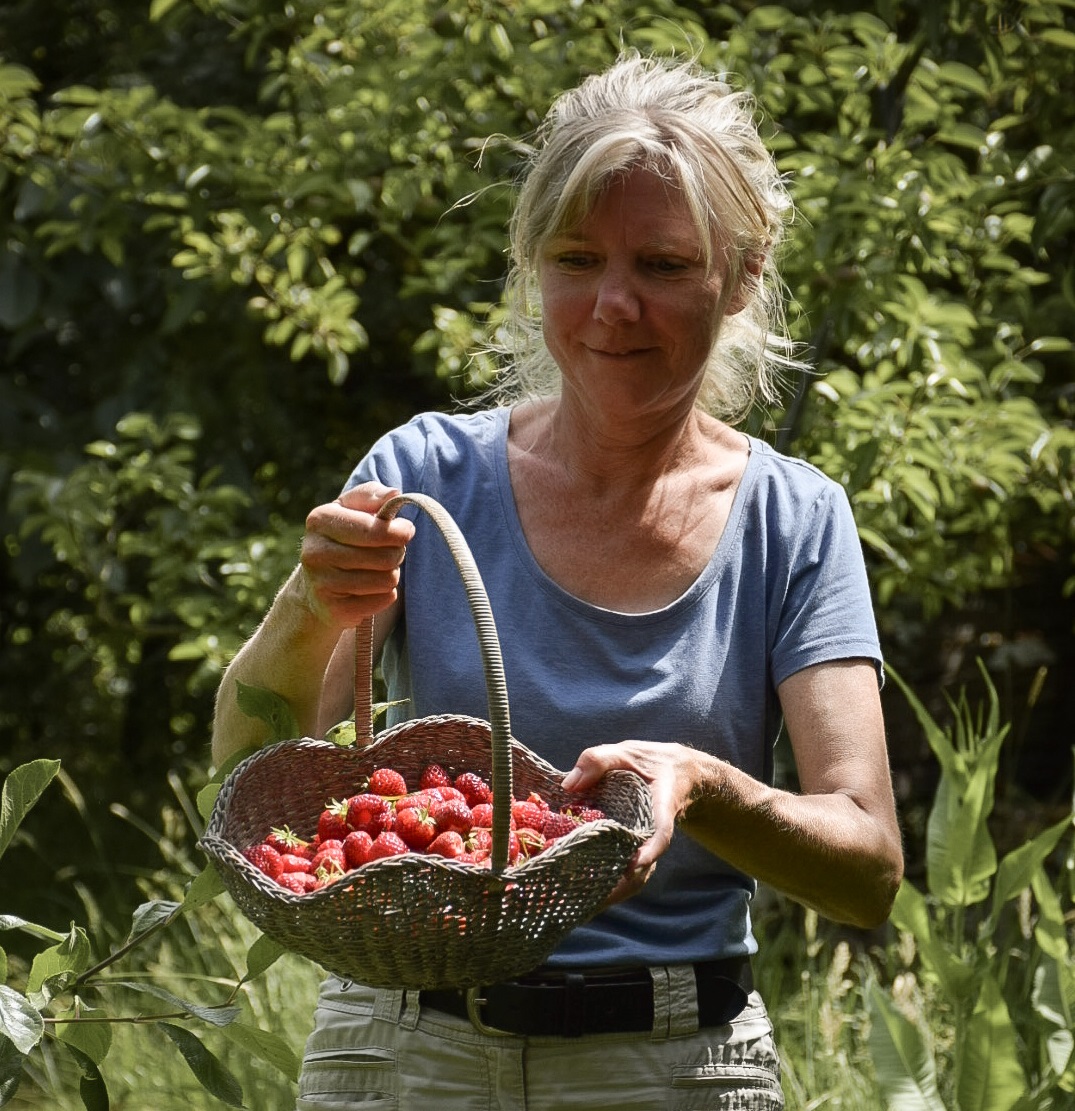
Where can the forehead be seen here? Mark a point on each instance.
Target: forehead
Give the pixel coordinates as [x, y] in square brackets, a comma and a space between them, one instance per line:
[640, 205]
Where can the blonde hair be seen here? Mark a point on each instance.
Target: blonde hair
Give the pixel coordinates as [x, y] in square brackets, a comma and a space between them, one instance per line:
[699, 133]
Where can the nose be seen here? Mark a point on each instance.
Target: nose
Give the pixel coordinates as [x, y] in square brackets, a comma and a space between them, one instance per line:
[616, 300]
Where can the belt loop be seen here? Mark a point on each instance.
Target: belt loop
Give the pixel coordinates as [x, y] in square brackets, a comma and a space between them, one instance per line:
[661, 1001]
[412, 1007]
[683, 1000]
[389, 1005]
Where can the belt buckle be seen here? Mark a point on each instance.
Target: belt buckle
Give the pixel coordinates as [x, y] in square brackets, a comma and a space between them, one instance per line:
[474, 1002]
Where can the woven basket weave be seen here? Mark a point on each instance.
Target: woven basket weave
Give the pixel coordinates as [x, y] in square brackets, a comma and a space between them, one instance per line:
[417, 921]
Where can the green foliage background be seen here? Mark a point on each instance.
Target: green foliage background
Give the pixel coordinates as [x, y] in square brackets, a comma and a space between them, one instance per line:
[241, 238]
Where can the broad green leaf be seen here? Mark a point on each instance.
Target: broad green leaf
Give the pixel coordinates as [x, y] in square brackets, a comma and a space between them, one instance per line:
[268, 1047]
[204, 888]
[217, 1016]
[11, 1062]
[20, 1021]
[92, 1038]
[269, 707]
[1017, 870]
[14, 922]
[960, 855]
[911, 913]
[261, 955]
[1051, 928]
[211, 1074]
[903, 1061]
[91, 1085]
[990, 1077]
[22, 788]
[152, 915]
[72, 955]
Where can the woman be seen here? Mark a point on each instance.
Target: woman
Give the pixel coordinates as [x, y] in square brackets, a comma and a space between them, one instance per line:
[667, 591]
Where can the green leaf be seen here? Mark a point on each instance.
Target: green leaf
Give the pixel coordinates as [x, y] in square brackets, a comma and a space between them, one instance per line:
[987, 1059]
[22, 788]
[94, 1039]
[906, 1073]
[268, 1047]
[211, 1074]
[911, 913]
[14, 922]
[269, 707]
[1017, 870]
[261, 955]
[91, 1085]
[72, 955]
[150, 916]
[20, 1021]
[204, 888]
[11, 1062]
[217, 1016]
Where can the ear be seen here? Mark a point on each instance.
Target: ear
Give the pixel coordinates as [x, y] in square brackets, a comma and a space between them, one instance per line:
[753, 264]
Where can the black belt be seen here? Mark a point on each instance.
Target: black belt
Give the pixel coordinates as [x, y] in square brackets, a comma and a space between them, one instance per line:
[600, 1001]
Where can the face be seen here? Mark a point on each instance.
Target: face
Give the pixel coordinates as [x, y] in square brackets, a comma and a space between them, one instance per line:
[630, 306]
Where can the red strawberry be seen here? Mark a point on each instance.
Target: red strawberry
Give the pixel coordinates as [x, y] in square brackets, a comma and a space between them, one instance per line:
[556, 825]
[480, 857]
[528, 814]
[584, 812]
[265, 858]
[416, 827]
[284, 840]
[474, 788]
[452, 815]
[330, 859]
[387, 782]
[479, 838]
[415, 799]
[482, 815]
[531, 842]
[387, 844]
[299, 883]
[449, 844]
[434, 776]
[368, 812]
[332, 825]
[294, 863]
[356, 848]
[445, 794]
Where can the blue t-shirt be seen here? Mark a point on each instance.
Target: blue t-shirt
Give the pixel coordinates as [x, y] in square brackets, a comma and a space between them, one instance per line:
[784, 589]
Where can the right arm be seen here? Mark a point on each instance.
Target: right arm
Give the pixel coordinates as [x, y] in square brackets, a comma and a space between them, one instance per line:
[349, 570]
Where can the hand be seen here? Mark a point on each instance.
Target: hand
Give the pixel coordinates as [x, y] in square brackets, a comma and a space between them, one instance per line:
[670, 771]
[351, 558]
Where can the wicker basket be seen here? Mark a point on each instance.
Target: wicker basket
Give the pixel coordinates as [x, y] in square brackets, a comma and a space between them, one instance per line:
[417, 921]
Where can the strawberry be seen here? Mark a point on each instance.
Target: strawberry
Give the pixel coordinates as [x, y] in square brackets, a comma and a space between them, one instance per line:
[434, 776]
[531, 842]
[452, 815]
[387, 844]
[356, 848]
[284, 840]
[368, 812]
[265, 858]
[446, 794]
[330, 859]
[449, 844]
[482, 815]
[332, 824]
[414, 799]
[528, 814]
[558, 824]
[416, 827]
[292, 862]
[479, 838]
[387, 782]
[480, 857]
[584, 812]
[474, 788]
[299, 883]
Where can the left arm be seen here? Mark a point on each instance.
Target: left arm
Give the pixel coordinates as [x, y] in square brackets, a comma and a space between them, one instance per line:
[835, 846]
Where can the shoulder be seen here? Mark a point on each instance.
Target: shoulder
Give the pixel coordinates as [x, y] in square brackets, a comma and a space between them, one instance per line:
[789, 483]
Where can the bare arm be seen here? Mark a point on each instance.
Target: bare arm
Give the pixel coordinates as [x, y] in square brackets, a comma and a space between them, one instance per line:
[349, 570]
[835, 846]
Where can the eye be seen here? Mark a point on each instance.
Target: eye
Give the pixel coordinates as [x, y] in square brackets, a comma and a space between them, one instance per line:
[573, 260]
[666, 264]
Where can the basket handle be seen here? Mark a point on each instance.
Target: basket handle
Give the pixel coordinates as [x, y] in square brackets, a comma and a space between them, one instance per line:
[492, 665]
